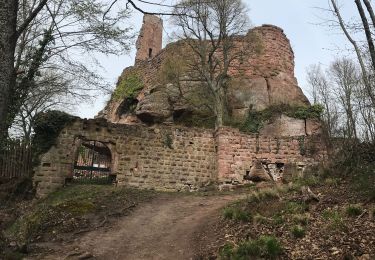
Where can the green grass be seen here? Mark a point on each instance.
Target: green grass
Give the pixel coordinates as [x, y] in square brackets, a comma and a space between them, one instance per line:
[330, 181]
[298, 231]
[295, 207]
[258, 218]
[335, 219]
[301, 219]
[264, 195]
[267, 247]
[66, 204]
[353, 210]
[278, 219]
[234, 212]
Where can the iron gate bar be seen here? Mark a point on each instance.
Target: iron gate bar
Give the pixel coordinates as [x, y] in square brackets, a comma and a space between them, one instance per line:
[91, 168]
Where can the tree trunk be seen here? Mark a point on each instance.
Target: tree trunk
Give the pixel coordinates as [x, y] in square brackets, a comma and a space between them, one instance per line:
[8, 40]
[366, 27]
[370, 11]
[219, 107]
[365, 78]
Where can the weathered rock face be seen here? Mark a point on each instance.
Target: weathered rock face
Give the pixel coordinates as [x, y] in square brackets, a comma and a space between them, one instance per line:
[260, 80]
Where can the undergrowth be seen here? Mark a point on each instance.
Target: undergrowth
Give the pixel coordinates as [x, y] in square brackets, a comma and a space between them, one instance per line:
[64, 210]
[265, 246]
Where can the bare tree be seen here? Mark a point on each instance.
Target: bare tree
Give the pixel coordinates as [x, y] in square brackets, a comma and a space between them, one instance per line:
[366, 74]
[345, 77]
[54, 41]
[211, 29]
[322, 94]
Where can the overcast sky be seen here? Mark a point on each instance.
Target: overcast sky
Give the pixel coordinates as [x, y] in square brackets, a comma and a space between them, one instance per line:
[311, 42]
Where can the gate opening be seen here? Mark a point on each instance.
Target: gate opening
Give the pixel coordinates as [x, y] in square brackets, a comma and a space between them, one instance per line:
[93, 164]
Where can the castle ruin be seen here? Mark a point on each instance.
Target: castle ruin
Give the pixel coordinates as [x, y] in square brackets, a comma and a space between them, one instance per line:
[149, 147]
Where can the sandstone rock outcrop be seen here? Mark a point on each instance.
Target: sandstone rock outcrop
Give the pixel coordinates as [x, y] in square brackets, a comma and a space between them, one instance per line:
[258, 81]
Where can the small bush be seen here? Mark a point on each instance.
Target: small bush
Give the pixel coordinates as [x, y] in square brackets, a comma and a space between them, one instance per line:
[295, 208]
[236, 213]
[228, 213]
[278, 219]
[271, 246]
[298, 231]
[265, 246]
[353, 210]
[226, 251]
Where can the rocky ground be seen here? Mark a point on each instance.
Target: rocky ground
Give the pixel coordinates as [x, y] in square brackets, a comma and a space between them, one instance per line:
[278, 222]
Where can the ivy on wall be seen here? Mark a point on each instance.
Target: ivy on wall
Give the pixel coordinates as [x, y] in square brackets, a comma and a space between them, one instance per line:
[47, 128]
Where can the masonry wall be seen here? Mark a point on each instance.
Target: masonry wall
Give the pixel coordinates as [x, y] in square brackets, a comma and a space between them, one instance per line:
[239, 152]
[141, 156]
[174, 158]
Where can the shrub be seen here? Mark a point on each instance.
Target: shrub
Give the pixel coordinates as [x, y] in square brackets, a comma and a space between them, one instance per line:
[298, 231]
[236, 213]
[248, 248]
[228, 213]
[278, 219]
[353, 210]
[295, 207]
[226, 251]
[265, 246]
[241, 215]
[272, 246]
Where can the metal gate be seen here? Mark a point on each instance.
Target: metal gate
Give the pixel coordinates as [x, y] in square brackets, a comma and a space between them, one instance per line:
[93, 164]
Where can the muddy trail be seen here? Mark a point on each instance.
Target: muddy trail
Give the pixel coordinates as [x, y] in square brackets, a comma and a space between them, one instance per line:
[163, 228]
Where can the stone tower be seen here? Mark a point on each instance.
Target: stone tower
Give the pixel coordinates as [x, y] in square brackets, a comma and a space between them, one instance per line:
[149, 42]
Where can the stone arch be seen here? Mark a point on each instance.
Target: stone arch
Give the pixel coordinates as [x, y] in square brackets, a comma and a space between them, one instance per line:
[105, 146]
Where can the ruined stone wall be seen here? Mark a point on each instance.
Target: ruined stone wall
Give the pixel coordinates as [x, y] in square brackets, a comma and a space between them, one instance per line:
[168, 158]
[149, 42]
[172, 158]
[238, 153]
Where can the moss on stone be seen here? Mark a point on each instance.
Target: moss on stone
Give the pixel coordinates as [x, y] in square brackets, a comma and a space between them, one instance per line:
[128, 87]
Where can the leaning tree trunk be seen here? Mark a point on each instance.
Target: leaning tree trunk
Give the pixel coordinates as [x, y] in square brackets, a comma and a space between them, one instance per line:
[367, 29]
[8, 39]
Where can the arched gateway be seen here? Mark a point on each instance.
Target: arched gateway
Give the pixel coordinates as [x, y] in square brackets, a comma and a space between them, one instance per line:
[93, 163]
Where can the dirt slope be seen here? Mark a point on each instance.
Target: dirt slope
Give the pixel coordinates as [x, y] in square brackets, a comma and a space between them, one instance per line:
[161, 229]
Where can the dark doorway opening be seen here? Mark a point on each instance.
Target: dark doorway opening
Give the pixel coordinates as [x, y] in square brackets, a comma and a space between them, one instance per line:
[150, 53]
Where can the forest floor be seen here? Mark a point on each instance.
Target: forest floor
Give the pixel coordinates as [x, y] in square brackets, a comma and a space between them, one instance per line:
[108, 222]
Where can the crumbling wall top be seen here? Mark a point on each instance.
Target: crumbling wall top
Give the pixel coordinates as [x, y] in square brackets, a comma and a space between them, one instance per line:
[150, 39]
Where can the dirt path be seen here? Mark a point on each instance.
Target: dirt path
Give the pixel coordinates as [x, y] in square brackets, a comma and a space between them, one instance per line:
[160, 229]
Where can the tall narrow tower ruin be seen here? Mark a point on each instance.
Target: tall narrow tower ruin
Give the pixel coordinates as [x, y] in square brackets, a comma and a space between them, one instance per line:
[149, 42]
